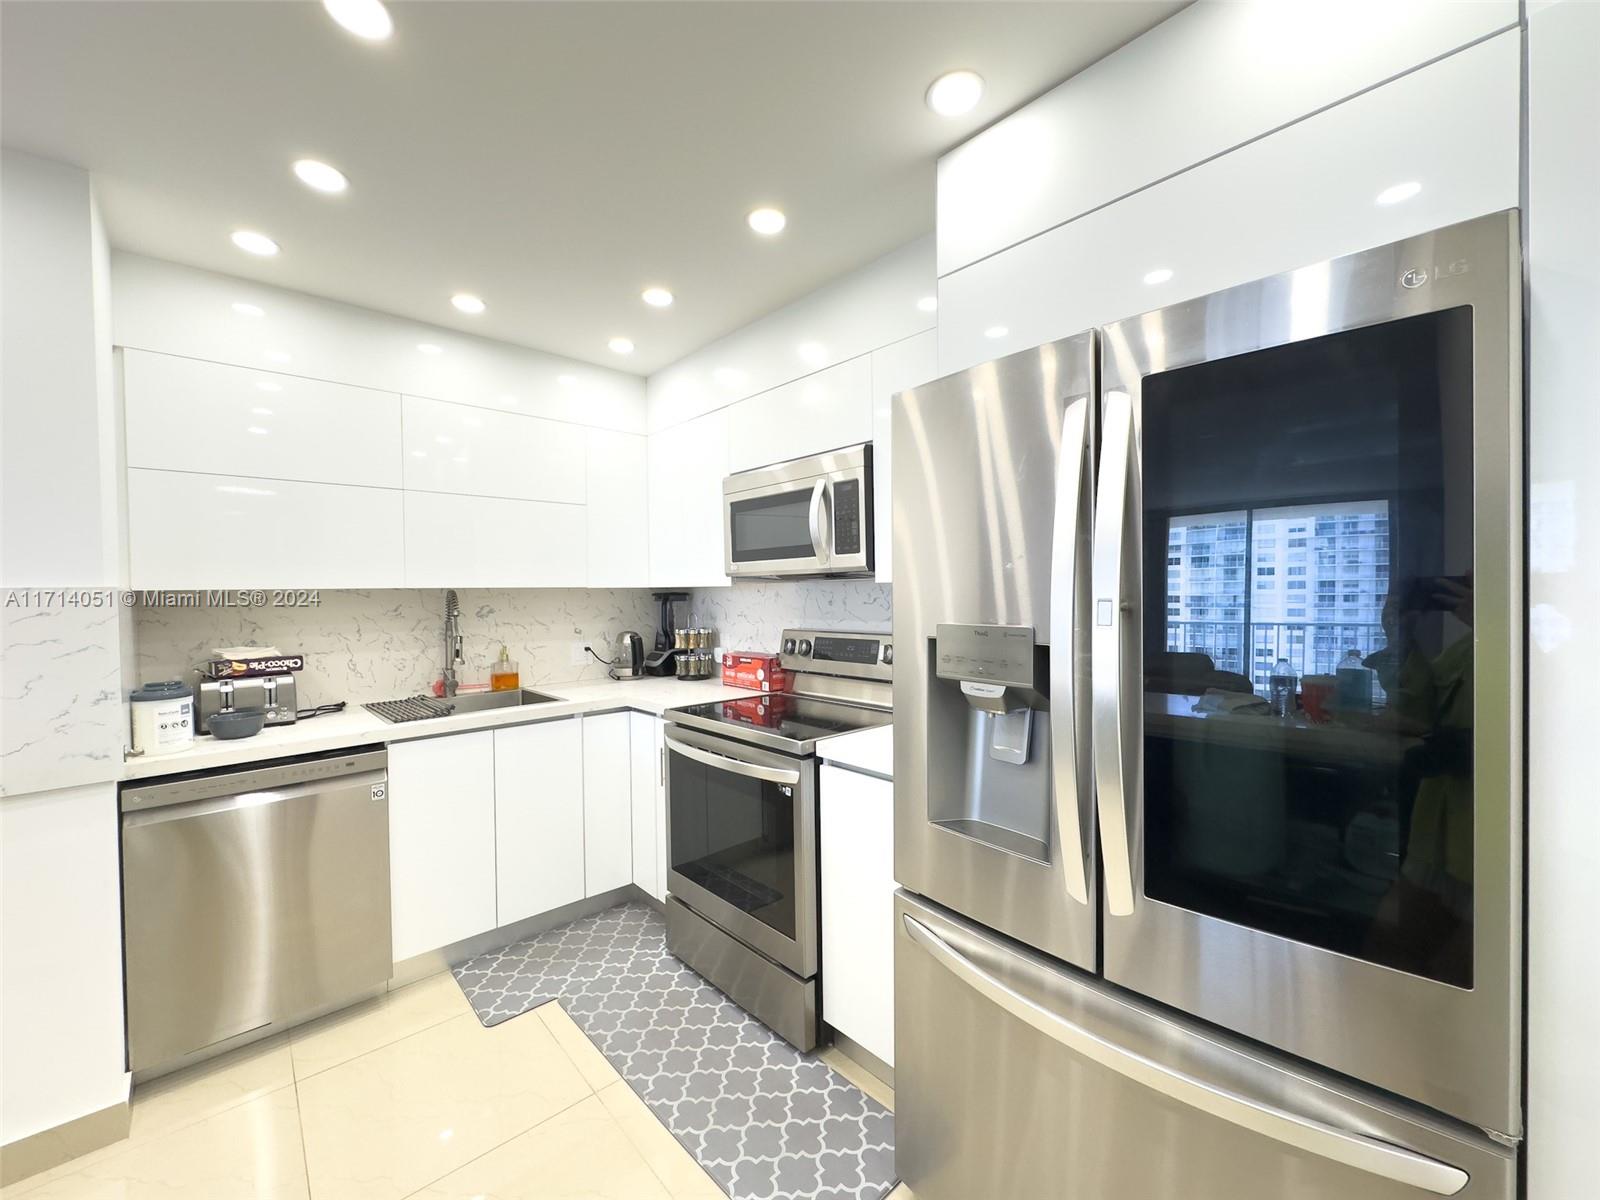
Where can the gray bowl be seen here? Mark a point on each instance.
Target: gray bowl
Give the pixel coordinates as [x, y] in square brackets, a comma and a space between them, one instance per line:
[239, 723]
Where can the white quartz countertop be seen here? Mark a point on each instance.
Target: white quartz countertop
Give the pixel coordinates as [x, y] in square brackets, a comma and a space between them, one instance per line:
[869, 750]
[355, 726]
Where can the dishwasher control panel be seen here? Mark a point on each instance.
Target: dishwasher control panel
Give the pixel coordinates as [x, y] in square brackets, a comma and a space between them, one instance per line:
[255, 777]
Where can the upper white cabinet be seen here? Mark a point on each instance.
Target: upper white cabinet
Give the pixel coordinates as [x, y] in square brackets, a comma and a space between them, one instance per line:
[894, 369]
[1306, 193]
[856, 855]
[687, 466]
[607, 803]
[1136, 116]
[478, 541]
[618, 510]
[187, 415]
[478, 452]
[538, 803]
[212, 531]
[441, 841]
[824, 411]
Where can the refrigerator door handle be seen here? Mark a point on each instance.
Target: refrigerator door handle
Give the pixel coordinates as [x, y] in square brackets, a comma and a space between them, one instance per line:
[1064, 567]
[1109, 690]
[1383, 1159]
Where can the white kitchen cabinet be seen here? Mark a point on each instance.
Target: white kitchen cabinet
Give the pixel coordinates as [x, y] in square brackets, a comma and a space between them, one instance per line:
[618, 509]
[824, 411]
[687, 466]
[607, 803]
[649, 803]
[441, 841]
[480, 541]
[1451, 127]
[187, 415]
[895, 368]
[478, 452]
[230, 531]
[538, 805]
[857, 869]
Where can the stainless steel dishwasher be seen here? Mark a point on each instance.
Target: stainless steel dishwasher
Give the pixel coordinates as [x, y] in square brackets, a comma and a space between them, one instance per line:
[252, 896]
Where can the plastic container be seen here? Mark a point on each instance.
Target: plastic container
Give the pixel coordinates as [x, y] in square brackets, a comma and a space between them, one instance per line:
[503, 673]
[1352, 689]
[1280, 688]
[161, 717]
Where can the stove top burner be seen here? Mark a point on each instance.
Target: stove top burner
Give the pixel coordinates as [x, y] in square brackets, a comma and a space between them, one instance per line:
[789, 722]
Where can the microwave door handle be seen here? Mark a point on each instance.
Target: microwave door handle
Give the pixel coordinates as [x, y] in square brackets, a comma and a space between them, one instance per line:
[1065, 569]
[722, 762]
[1114, 622]
[1369, 1154]
[819, 535]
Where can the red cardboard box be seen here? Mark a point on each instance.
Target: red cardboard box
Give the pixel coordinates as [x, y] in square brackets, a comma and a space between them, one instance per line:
[759, 672]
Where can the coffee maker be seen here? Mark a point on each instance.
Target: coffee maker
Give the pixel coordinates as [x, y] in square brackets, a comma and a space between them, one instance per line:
[662, 659]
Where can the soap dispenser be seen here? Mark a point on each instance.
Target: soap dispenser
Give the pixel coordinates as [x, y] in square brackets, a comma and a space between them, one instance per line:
[503, 676]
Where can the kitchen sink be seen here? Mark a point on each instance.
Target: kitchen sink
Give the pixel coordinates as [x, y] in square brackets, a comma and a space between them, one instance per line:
[427, 708]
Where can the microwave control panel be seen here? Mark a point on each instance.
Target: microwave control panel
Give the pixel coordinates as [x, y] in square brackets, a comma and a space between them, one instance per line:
[847, 516]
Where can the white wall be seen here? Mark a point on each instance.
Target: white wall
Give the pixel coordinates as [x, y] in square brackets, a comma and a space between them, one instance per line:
[1563, 218]
[61, 966]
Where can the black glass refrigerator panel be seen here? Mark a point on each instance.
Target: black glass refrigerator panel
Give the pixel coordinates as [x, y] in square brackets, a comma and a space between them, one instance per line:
[734, 837]
[1307, 641]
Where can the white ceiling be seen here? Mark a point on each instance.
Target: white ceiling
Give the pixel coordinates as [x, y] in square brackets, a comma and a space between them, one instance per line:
[554, 158]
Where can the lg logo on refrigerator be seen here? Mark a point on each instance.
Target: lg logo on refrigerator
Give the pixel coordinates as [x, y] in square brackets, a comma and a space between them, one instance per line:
[1417, 276]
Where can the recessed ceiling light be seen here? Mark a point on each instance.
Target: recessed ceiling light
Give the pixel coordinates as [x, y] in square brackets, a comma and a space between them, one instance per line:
[430, 348]
[367, 19]
[269, 385]
[620, 345]
[656, 297]
[258, 430]
[996, 331]
[928, 304]
[813, 354]
[1159, 275]
[468, 303]
[955, 93]
[249, 310]
[252, 242]
[319, 176]
[1399, 192]
[261, 412]
[767, 221]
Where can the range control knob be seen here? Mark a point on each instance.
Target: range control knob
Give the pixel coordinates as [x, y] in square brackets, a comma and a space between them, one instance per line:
[805, 646]
[788, 645]
[888, 655]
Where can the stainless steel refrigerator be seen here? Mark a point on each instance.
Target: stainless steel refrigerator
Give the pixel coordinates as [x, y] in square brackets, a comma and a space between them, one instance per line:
[1208, 774]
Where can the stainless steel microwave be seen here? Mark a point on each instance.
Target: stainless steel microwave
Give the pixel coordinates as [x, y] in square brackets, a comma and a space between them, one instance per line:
[808, 516]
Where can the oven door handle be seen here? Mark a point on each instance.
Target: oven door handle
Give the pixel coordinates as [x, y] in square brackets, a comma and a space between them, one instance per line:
[723, 762]
[819, 539]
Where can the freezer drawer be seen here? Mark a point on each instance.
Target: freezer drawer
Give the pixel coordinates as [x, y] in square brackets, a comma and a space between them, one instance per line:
[1019, 1077]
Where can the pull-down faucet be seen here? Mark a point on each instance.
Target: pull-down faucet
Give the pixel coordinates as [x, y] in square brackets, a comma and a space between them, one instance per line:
[452, 640]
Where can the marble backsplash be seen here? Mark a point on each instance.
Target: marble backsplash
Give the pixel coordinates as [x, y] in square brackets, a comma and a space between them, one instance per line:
[752, 614]
[374, 645]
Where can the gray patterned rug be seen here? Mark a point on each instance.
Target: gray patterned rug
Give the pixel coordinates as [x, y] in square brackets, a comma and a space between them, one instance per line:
[767, 1122]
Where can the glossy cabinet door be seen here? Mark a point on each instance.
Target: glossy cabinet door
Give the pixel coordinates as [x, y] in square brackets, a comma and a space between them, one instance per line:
[227, 531]
[538, 804]
[649, 802]
[824, 411]
[1451, 128]
[687, 465]
[187, 415]
[475, 451]
[441, 841]
[480, 541]
[607, 803]
[894, 369]
[857, 865]
[618, 509]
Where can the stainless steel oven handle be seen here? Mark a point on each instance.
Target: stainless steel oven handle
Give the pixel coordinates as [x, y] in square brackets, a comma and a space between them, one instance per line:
[1064, 568]
[1108, 691]
[1383, 1159]
[733, 765]
[819, 539]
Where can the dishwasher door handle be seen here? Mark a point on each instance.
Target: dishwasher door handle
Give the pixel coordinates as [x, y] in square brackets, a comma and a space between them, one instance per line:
[375, 781]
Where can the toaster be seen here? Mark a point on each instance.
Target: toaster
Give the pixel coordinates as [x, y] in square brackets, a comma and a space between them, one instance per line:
[273, 694]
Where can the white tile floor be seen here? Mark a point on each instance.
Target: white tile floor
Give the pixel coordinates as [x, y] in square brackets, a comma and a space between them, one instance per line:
[406, 1095]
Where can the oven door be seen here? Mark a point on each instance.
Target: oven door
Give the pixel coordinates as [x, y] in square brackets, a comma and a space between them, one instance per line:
[742, 843]
[808, 517]
[1307, 664]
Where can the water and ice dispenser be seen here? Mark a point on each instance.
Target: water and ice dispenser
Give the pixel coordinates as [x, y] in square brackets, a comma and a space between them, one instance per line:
[989, 736]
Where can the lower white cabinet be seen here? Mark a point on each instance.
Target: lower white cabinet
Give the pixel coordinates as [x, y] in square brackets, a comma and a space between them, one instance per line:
[857, 867]
[441, 841]
[607, 803]
[649, 804]
[539, 817]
